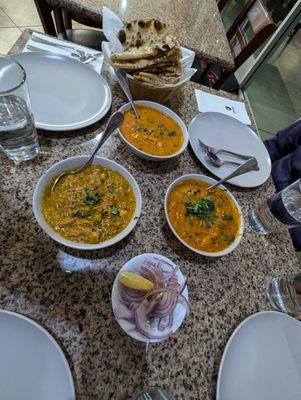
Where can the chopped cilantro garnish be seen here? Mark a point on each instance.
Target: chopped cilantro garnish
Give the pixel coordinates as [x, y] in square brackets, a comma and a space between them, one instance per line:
[203, 209]
[172, 133]
[112, 189]
[92, 197]
[114, 210]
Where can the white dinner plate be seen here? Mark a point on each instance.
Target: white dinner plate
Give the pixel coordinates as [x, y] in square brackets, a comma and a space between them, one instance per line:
[32, 365]
[65, 94]
[219, 130]
[262, 359]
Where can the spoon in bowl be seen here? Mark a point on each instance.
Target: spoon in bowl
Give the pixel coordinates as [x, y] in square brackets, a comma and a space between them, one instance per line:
[124, 83]
[114, 122]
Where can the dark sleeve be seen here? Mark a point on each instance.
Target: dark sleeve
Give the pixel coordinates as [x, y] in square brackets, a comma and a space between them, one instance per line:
[285, 142]
[287, 170]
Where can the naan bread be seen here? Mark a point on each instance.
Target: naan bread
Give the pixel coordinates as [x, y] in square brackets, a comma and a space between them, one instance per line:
[171, 56]
[139, 33]
[150, 54]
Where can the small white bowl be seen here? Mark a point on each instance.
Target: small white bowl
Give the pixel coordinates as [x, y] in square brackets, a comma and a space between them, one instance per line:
[171, 114]
[133, 265]
[76, 162]
[205, 178]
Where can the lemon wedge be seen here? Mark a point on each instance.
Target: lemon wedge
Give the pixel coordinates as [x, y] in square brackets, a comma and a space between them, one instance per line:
[135, 281]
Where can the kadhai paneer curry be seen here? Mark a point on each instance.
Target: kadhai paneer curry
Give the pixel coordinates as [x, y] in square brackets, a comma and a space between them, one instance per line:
[206, 220]
[90, 207]
[154, 133]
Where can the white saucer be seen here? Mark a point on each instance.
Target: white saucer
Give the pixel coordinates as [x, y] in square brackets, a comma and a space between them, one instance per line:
[219, 130]
[32, 365]
[262, 359]
[133, 265]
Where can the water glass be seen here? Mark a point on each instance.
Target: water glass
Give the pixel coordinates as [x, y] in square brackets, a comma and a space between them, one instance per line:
[18, 135]
[284, 293]
[280, 211]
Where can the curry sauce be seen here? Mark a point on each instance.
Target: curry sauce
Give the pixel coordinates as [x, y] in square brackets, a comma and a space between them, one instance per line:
[206, 220]
[89, 207]
[154, 133]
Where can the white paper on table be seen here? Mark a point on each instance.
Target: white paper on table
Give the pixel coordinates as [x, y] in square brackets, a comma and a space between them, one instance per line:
[210, 102]
[96, 65]
[112, 24]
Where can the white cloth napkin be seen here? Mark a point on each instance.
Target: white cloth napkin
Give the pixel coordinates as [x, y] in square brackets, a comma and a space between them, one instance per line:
[210, 102]
[96, 65]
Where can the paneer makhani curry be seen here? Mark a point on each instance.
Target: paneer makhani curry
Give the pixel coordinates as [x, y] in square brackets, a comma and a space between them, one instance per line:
[206, 220]
[89, 207]
[154, 133]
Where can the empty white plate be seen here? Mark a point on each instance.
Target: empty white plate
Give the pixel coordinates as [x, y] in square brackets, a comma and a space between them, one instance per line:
[65, 94]
[32, 365]
[262, 359]
[219, 130]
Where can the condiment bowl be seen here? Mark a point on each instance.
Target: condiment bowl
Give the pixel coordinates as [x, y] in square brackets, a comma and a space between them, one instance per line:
[205, 178]
[72, 163]
[133, 265]
[171, 114]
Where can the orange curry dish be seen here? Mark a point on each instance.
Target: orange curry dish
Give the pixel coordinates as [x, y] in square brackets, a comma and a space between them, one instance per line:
[206, 220]
[154, 133]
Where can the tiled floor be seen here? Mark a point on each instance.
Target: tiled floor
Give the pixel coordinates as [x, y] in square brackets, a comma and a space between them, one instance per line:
[15, 16]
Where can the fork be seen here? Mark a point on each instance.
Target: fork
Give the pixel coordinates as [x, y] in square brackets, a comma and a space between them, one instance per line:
[144, 396]
[87, 59]
[216, 150]
[80, 53]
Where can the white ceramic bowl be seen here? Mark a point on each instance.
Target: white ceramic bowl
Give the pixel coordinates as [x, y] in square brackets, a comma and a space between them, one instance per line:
[205, 178]
[75, 162]
[171, 114]
[133, 265]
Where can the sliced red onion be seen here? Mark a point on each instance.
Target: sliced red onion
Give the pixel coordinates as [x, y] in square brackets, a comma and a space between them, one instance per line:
[143, 309]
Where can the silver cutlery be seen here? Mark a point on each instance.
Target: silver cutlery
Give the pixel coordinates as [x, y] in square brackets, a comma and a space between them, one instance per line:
[114, 122]
[87, 59]
[216, 150]
[76, 51]
[250, 165]
[124, 83]
[217, 161]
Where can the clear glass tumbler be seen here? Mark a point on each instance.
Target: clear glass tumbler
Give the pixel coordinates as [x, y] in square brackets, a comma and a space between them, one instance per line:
[280, 211]
[284, 293]
[18, 135]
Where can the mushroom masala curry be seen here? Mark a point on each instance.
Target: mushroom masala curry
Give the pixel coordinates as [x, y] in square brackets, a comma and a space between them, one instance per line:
[89, 207]
[206, 220]
[154, 133]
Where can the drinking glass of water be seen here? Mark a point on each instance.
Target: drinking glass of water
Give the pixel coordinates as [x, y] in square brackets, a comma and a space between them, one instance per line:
[18, 135]
[280, 211]
[284, 293]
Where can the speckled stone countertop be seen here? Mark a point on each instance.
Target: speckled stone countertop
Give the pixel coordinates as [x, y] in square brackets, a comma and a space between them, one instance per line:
[75, 306]
[196, 23]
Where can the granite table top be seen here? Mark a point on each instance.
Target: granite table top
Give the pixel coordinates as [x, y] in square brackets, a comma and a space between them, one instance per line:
[196, 23]
[69, 292]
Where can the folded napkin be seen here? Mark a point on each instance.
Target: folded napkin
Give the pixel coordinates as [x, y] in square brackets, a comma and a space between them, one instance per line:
[210, 102]
[96, 65]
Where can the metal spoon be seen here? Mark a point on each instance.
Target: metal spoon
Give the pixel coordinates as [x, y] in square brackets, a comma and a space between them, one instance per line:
[124, 83]
[216, 160]
[87, 59]
[114, 122]
[250, 165]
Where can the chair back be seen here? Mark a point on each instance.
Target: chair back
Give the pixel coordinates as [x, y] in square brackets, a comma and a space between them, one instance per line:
[63, 17]
[247, 33]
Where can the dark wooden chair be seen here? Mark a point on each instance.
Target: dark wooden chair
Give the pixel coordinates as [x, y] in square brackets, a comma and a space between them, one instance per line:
[58, 22]
[221, 4]
[248, 32]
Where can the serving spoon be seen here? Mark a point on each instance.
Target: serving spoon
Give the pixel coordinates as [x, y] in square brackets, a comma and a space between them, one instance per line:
[124, 83]
[250, 165]
[114, 122]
